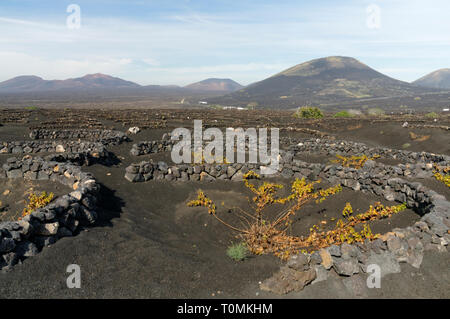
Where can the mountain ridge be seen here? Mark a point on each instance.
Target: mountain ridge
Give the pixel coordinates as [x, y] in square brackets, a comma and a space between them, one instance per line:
[216, 85]
[439, 79]
[32, 83]
[326, 80]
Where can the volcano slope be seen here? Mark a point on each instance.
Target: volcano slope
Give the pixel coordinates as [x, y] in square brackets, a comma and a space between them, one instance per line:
[327, 82]
[147, 244]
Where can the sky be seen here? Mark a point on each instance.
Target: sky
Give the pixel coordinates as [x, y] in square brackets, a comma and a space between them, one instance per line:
[184, 41]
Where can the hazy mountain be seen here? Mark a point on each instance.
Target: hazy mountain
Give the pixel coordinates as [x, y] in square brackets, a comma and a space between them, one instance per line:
[216, 85]
[87, 82]
[439, 79]
[321, 81]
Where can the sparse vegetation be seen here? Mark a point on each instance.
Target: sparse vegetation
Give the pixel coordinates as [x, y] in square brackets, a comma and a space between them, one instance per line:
[237, 252]
[344, 230]
[354, 127]
[353, 161]
[343, 114]
[432, 115]
[216, 159]
[418, 138]
[203, 201]
[36, 201]
[308, 112]
[442, 174]
[261, 235]
[406, 145]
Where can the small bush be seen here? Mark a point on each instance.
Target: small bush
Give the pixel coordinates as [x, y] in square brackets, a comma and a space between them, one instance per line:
[308, 112]
[406, 145]
[37, 201]
[354, 161]
[237, 252]
[343, 114]
[432, 115]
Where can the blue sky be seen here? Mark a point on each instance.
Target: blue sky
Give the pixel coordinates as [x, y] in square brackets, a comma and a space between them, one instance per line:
[184, 41]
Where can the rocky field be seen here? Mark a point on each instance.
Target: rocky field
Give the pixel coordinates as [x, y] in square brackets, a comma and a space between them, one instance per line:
[121, 212]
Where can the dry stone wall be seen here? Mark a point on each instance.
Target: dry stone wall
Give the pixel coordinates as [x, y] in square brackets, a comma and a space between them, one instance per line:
[106, 137]
[61, 218]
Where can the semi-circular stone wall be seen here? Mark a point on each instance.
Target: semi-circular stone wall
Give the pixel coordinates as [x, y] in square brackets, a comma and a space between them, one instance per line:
[61, 218]
[348, 261]
[401, 245]
[62, 151]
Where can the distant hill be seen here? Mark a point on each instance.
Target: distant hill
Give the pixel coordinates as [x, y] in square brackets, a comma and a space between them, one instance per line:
[87, 82]
[439, 79]
[101, 83]
[216, 85]
[321, 81]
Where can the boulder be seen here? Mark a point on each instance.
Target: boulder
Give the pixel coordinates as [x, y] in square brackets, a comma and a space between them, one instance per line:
[26, 249]
[327, 261]
[346, 267]
[134, 130]
[385, 260]
[48, 229]
[288, 280]
[298, 262]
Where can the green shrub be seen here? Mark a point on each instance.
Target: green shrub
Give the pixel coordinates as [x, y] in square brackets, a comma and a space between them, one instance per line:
[343, 114]
[31, 108]
[237, 252]
[308, 112]
[406, 145]
[432, 115]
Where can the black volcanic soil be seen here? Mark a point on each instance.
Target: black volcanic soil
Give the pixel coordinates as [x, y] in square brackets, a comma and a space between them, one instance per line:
[393, 135]
[149, 244]
[14, 133]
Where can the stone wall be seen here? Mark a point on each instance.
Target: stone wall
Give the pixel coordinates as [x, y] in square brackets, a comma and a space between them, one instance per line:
[106, 137]
[151, 147]
[61, 218]
[325, 146]
[61, 151]
[166, 144]
[288, 168]
[331, 147]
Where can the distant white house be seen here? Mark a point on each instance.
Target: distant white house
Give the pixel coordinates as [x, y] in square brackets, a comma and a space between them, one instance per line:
[445, 110]
[203, 102]
[233, 108]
